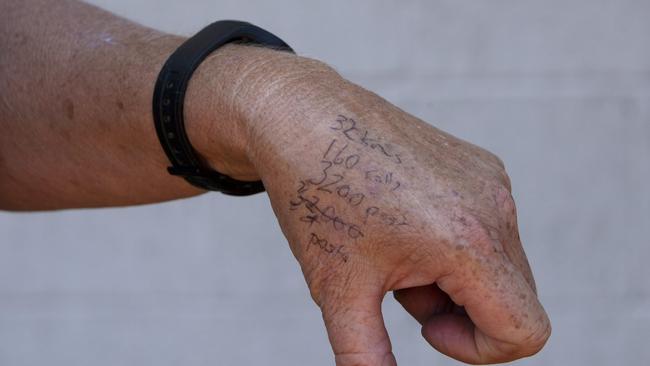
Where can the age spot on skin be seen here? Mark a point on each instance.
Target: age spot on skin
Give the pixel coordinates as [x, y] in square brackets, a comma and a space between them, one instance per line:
[68, 106]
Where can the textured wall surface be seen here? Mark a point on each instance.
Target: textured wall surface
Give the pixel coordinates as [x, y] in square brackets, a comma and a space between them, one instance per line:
[559, 89]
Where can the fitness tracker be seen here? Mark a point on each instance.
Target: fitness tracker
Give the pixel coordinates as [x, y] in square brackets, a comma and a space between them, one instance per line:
[169, 94]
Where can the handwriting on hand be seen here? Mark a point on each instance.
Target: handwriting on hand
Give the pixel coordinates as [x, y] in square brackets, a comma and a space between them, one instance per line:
[348, 154]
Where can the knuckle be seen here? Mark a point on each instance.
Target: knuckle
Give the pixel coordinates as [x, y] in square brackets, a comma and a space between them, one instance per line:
[505, 179]
[496, 159]
[499, 169]
[473, 236]
[505, 203]
[492, 159]
[483, 229]
[483, 240]
[504, 209]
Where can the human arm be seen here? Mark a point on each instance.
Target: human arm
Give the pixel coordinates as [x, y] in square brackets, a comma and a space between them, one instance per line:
[370, 198]
[75, 111]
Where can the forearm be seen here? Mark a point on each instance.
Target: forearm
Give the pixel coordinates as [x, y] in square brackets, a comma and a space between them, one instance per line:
[76, 107]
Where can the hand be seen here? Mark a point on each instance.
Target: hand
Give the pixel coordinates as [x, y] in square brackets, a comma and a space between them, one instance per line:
[372, 200]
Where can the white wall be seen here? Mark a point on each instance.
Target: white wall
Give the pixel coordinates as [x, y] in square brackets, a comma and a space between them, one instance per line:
[559, 89]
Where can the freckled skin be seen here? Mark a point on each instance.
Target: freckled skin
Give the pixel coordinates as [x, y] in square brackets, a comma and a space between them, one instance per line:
[370, 198]
[460, 249]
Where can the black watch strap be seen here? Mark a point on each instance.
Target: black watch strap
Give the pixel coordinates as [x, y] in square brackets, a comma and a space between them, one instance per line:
[169, 95]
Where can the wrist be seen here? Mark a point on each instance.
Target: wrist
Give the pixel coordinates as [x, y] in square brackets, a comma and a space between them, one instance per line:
[212, 121]
[238, 91]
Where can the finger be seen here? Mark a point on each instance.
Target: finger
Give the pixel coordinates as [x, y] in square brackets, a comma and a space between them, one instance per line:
[505, 320]
[514, 251]
[517, 256]
[356, 330]
[424, 301]
[508, 232]
[454, 335]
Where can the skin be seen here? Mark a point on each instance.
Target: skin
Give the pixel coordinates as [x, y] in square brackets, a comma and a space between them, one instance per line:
[370, 198]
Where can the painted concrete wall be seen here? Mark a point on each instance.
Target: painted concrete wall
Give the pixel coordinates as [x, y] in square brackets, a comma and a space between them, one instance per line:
[559, 89]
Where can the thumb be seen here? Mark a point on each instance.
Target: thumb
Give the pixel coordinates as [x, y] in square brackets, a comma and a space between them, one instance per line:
[356, 331]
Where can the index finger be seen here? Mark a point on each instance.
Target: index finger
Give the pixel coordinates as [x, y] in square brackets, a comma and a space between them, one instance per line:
[504, 321]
